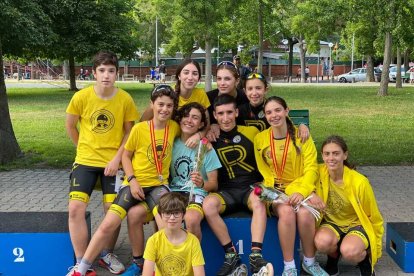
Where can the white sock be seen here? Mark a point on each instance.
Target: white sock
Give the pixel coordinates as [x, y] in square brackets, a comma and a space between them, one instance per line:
[289, 265]
[308, 261]
[83, 267]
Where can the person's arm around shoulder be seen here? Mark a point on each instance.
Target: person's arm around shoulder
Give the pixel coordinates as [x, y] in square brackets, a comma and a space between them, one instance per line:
[303, 133]
[71, 127]
[147, 114]
[113, 165]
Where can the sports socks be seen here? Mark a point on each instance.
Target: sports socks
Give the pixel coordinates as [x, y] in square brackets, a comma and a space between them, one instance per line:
[308, 261]
[229, 247]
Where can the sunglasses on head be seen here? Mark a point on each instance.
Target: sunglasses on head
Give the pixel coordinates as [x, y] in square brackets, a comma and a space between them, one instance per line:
[256, 76]
[163, 87]
[226, 63]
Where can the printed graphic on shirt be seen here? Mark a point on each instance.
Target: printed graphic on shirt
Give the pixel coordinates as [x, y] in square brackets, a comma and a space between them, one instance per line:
[259, 124]
[182, 167]
[335, 202]
[161, 152]
[172, 265]
[234, 156]
[102, 121]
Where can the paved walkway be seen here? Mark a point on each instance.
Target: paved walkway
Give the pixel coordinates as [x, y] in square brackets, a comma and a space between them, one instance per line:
[46, 190]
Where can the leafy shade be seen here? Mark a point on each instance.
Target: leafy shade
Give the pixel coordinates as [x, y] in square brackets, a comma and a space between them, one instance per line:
[25, 27]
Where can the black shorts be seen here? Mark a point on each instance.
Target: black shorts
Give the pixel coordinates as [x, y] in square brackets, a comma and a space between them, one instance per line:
[356, 230]
[83, 180]
[233, 200]
[124, 200]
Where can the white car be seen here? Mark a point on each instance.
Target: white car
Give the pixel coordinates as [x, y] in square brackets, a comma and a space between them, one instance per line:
[393, 73]
[359, 74]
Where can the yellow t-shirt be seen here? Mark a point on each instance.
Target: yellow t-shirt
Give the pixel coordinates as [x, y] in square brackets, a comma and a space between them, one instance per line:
[139, 142]
[101, 124]
[173, 260]
[198, 95]
[339, 209]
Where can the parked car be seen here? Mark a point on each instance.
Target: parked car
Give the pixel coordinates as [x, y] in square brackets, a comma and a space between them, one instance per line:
[393, 73]
[359, 74]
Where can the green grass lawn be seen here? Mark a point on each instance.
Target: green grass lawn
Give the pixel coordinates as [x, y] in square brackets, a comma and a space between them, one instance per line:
[379, 130]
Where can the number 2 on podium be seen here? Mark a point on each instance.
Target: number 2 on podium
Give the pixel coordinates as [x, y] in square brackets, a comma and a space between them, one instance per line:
[18, 252]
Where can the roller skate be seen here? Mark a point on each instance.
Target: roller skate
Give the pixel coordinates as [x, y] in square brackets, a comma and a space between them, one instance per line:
[259, 266]
[232, 266]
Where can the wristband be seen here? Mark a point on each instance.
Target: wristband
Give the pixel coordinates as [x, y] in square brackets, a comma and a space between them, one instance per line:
[130, 178]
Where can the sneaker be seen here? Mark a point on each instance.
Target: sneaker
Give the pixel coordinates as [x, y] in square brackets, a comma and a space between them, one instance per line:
[290, 272]
[365, 267]
[315, 269]
[231, 262]
[110, 261]
[133, 270]
[332, 266]
[257, 263]
[73, 271]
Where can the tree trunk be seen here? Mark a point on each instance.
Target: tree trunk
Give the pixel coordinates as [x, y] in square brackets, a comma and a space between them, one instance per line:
[260, 52]
[208, 66]
[406, 59]
[398, 82]
[383, 89]
[302, 52]
[72, 75]
[370, 69]
[9, 148]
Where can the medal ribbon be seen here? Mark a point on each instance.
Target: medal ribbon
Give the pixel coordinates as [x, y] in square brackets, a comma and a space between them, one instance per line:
[158, 159]
[279, 173]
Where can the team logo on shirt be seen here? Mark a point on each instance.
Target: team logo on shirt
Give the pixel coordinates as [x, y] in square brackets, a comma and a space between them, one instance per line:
[172, 265]
[183, 166]
[261, 114]
[102, 121]
[335, 203]
[159, 151]
[236, 139]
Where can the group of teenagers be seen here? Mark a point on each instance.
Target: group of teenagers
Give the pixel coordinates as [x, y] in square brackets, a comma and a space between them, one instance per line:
[246, 139]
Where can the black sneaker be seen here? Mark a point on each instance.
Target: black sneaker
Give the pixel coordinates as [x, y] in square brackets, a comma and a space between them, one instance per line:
[365, 267]
[231, 262]
[257, 262]
[332, 266]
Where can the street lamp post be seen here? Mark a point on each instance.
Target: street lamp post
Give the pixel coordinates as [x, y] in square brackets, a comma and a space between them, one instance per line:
[156, 41]
[218, 49]
[286, 48]
[330, 60]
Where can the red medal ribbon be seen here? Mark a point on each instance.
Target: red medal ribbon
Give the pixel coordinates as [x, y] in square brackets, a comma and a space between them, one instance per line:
[279, 173]
[158, 159]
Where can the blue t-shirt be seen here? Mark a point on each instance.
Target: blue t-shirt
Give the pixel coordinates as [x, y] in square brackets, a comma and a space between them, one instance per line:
[182, 165]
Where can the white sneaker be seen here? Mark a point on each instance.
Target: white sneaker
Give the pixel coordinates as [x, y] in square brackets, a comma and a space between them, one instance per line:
[72, 270]
[111, 262]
